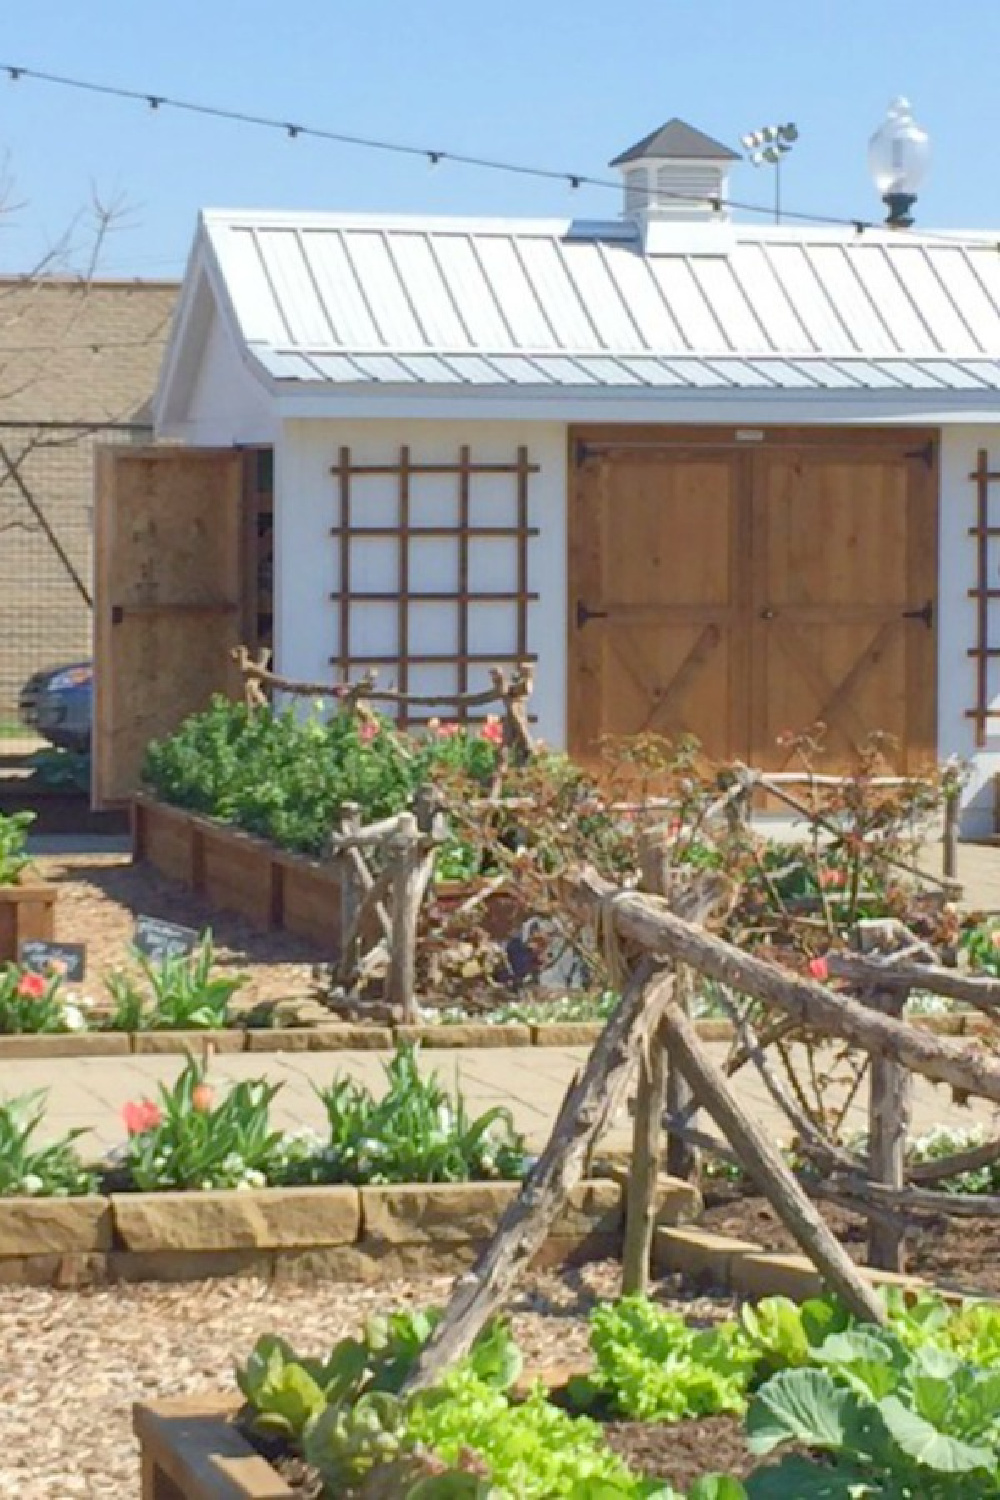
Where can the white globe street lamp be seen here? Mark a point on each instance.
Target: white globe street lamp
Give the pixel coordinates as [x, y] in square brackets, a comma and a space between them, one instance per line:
[899, 156]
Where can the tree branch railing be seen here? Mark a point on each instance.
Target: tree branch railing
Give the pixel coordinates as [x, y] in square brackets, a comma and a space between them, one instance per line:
[509, 692]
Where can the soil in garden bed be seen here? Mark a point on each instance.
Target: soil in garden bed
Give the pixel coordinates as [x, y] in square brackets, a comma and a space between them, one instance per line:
[681, 1452]
[959, 1253]
[100, 896]
[677, 1453]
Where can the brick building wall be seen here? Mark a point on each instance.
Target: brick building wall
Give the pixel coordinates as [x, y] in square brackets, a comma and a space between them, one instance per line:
[78, 365]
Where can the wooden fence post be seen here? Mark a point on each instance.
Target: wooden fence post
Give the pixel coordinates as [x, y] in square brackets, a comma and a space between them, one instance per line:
[661, 1085]
[351, 894]
[952, 800]
[407, 894]
[888, 1123]
[763, 1161]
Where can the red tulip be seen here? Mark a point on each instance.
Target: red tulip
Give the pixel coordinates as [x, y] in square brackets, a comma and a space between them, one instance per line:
[141, 1115]
[819, 969]
[31, 987]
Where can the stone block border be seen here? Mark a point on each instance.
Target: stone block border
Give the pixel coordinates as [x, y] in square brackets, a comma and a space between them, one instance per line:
[351, 1037]
[743, 1267]
[298, 1233]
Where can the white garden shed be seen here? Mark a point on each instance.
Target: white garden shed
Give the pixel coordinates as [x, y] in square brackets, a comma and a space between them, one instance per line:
[708, 476]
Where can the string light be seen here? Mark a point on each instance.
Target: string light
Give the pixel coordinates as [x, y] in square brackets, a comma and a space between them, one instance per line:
[575, 180]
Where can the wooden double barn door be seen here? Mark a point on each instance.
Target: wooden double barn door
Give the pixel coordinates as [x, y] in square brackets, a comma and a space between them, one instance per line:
[740, 586]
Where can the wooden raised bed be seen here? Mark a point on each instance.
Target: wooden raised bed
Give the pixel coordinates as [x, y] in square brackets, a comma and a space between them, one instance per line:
[237, 872]
[27, 914]
[272, 888]
[191, 1450]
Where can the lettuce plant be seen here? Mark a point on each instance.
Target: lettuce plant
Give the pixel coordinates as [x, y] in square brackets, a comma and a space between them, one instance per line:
[31, 1171]
[652, 1366]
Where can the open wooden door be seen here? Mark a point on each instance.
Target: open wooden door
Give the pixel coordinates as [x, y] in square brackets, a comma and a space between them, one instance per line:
[168, 598]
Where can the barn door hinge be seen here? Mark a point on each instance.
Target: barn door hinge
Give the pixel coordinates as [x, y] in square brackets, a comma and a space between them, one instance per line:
[580, 454]
[583, 614]
[117, 614]
[925, 454]
[926, 614]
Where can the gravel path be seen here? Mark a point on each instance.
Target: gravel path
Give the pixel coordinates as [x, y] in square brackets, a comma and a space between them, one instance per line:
[74, 1362]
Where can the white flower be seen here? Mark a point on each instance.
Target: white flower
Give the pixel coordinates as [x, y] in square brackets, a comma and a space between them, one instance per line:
[32, 1185]
[74, 1018]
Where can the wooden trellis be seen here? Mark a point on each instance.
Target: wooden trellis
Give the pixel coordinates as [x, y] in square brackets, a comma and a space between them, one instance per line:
[983, 652]
[351, 528]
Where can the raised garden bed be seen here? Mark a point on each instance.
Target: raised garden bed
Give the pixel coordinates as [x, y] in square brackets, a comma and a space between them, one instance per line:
[192, 1450]
[27, 913]
[296, 1233]
[271, 888]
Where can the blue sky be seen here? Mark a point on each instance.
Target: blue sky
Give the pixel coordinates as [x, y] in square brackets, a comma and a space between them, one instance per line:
[544, 82]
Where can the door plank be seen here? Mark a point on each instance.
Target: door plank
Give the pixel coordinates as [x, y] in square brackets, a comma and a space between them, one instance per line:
[169, 524]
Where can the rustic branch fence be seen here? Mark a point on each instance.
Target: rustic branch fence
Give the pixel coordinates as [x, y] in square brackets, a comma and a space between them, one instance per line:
[387, 867]
[656, 935]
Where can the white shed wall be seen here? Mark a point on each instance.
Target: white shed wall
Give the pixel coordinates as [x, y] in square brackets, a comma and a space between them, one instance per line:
[307, 562]
[227, 404]
[957, 618]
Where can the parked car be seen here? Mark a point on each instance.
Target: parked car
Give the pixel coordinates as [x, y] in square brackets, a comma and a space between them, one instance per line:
[58, 704]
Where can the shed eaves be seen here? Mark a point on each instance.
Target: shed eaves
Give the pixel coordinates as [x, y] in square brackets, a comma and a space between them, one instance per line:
[342, 301]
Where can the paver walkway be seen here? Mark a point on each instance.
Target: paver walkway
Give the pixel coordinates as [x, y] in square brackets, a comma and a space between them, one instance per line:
[532, 1081]
[90, 1092]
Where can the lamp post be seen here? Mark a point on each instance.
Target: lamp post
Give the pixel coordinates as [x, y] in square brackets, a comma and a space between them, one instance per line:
[767, 147]
[899, 156]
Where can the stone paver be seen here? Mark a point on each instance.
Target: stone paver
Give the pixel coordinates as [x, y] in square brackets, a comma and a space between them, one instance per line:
[90, 1092]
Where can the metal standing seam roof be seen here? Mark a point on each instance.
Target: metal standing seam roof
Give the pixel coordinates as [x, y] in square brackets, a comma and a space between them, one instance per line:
[346, 301]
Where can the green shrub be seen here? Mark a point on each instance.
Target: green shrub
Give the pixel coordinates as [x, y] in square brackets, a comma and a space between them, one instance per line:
[13, 845]
[286, 777]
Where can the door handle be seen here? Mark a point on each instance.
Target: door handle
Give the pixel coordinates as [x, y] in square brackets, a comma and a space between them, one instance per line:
[769, 614]
[926, 614]
[583, 614]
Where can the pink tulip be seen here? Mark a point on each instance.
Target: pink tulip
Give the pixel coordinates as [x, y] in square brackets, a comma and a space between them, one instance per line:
[140, 1115]
[819, 969]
